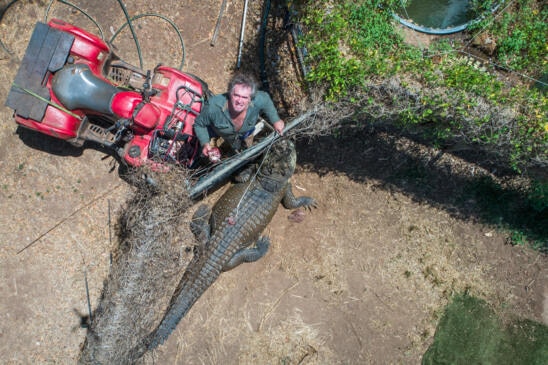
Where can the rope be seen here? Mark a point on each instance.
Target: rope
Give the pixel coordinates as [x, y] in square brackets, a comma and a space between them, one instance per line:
[462, 50]
[407, 16]
[68, 217]
[503, 67]
[201, 171]
[254, 177]
[435, 31]
[55, 105]
[489, 23]
[1, 17]
[127, 23]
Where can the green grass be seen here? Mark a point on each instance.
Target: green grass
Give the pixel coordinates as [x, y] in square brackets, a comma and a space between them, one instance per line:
[469, 332]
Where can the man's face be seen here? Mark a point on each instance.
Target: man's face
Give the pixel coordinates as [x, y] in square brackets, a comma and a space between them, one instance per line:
[240, 97]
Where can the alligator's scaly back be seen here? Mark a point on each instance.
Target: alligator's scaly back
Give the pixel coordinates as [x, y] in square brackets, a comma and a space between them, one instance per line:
[235, 223]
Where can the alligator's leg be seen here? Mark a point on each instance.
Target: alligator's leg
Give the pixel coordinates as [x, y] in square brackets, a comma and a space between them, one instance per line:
[289, 200]
[245, 174]
[200, 224]
[248, 254]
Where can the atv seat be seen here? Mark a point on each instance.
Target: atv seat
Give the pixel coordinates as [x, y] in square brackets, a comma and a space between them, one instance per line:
[77, 87]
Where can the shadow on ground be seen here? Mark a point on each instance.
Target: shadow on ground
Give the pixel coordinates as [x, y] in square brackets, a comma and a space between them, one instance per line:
[429, 177]
[45, 143]
[59, 147]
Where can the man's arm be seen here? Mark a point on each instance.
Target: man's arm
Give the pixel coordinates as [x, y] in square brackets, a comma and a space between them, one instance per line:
[201, 124]
[267, 107]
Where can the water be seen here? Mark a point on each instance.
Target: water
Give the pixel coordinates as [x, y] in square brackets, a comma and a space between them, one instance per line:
[436, 14]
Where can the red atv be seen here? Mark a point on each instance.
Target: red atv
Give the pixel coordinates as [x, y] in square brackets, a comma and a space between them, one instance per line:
[71, 86]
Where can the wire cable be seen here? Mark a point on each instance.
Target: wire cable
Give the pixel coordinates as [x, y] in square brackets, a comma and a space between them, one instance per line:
[173, 25]
[488, 23]
[132, 32]
[77, 8]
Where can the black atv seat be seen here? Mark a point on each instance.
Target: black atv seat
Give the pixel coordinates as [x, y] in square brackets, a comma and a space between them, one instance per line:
[46, 52]
[77, 87]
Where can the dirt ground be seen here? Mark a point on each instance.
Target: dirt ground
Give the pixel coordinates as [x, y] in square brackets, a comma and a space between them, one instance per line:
[362, 280]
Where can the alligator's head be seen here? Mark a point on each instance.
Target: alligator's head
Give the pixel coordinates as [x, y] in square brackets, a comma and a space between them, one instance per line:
[280, 161]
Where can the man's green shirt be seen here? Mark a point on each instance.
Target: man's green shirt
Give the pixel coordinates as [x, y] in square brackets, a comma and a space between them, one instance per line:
[216, 116]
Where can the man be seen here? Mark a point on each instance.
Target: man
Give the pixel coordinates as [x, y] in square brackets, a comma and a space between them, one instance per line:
[233, 115]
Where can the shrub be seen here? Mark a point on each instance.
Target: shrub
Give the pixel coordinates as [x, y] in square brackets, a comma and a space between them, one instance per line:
[354, 45]
[520, 31]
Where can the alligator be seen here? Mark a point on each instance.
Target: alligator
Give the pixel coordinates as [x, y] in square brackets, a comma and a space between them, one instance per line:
[230, 233]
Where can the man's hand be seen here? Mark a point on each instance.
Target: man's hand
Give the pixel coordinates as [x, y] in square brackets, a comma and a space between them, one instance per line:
[279, 127]
[206, 149]
[212, 153]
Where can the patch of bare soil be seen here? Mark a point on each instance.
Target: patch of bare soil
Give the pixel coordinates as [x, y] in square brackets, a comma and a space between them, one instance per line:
[362, 279]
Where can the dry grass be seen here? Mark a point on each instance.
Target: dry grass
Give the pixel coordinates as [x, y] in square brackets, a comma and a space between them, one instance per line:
[292, 341]
[155, 246]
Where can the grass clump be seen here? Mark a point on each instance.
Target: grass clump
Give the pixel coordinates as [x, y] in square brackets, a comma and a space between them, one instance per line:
[471, 333]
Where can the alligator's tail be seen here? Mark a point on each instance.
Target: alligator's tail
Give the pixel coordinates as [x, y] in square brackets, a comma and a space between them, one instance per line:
[191, 287]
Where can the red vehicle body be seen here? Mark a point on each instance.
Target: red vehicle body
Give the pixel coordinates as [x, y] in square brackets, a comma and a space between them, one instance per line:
[71, 86]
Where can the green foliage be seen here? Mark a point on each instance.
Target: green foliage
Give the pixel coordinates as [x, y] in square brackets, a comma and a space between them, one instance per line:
[466, 77]
[538, 196]
[352, 45]
[518, 238]
[456, 111]
[349, 42]
[470, 332]
[521, 33]
[372, 33]
[478, 8]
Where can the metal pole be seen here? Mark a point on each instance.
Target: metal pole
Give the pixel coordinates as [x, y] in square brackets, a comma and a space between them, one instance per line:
[216, 31]
[242, 36]
[87, 295]
[225, 169]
